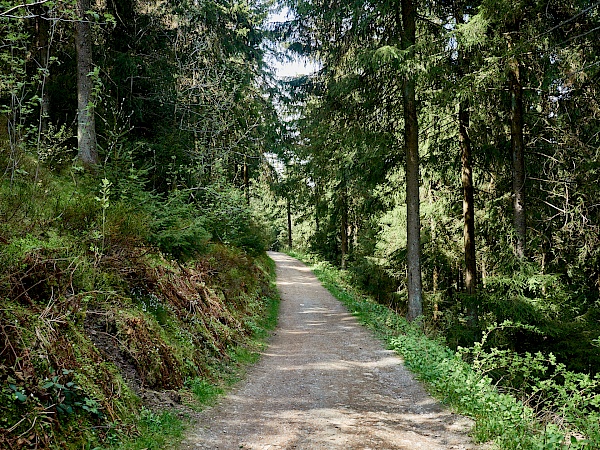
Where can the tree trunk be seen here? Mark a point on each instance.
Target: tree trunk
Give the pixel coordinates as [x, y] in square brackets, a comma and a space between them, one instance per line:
[467, 179]
[344, 226]
[411, 141]
[289, 223]
[518, 154]
[43, 50]
[86, 125]
[468, 199]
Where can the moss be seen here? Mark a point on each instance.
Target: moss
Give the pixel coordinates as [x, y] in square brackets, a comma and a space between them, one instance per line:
[97, 308]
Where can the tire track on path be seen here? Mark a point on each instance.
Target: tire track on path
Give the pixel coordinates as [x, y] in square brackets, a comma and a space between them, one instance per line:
[325, 382]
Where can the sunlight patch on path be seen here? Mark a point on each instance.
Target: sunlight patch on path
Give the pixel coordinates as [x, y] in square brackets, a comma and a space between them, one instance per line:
[326, 383]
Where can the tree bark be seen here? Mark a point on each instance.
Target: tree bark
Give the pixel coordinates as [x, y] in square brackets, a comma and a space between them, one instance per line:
[289, 222]
[518, 154]
[86, 125]
[411, 141]
[468, 198]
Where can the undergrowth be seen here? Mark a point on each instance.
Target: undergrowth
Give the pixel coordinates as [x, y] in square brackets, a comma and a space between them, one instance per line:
[549, 408]
[115, 303]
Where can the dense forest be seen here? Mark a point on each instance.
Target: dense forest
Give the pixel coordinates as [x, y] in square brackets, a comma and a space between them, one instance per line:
[133, 272]
[444, 155]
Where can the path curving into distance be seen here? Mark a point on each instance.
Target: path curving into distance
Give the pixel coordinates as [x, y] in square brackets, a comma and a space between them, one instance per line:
[325, 382]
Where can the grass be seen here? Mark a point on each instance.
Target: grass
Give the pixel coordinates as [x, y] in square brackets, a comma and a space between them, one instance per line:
[156, 431]
[204, 391]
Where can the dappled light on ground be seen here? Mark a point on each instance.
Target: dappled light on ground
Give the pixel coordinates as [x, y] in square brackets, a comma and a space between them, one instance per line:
[325, 383]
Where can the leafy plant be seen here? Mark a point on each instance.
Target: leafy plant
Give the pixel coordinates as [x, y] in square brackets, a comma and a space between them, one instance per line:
[104, 200]
[67, 396]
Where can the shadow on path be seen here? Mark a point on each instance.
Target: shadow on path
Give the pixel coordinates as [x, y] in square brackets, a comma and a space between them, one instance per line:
[325, 383]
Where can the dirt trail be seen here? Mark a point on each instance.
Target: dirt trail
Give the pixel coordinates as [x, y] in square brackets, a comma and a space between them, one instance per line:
[325, 383]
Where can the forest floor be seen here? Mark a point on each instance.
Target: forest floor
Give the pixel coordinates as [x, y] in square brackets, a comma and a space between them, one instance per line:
[324, 382]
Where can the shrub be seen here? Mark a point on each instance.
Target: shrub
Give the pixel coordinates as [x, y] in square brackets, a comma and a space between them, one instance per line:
[177, 228]
[229, 219]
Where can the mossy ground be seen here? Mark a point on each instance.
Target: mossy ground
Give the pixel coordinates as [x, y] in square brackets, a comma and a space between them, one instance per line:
[101, 332]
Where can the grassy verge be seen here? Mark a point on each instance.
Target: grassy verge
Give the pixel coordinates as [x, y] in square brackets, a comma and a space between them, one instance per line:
[499, 417]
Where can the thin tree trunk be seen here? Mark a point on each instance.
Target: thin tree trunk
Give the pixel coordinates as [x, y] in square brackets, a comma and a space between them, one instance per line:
[246, 182]
[86, 125]
[411, 138]
[344, 226]
[317, 215]
[518, 154]
[468, 199]
[289, 222]
[43, 50]
[467, 180]
[42, 60]
[435, 279]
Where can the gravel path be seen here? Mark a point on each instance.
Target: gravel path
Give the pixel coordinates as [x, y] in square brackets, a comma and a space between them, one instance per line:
[325, 383]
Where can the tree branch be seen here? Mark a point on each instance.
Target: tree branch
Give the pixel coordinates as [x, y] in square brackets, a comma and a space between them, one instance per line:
[25, 5]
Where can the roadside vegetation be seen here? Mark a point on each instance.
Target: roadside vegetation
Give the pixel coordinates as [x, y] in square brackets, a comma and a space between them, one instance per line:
[116, 306]
[518, 401]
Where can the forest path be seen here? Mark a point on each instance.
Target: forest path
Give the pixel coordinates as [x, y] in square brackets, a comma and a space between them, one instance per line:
[325, 383]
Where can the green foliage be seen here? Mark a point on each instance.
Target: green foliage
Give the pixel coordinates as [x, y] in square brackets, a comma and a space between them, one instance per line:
[550, 319]
[68, 396]
[177, 228]
[375, 281]
[553, 392]
[182, 328]
[230, 220]
[56, 151]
